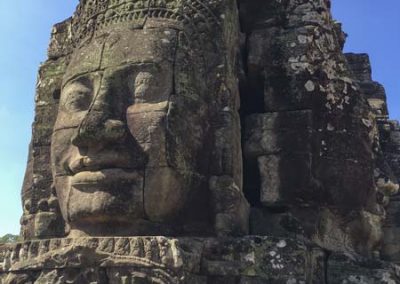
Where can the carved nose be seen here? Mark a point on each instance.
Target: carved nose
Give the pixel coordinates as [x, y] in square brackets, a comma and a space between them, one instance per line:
[97, 129]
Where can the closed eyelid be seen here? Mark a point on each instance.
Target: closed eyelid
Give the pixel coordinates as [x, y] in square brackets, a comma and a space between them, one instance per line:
[77, 86]
[76, 96]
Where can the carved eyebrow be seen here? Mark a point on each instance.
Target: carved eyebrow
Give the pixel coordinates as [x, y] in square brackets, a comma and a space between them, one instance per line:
[132, 66]
[84, 78]
[83, 82]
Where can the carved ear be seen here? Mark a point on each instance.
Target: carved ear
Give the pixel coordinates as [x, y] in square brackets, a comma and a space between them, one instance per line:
[231, 209]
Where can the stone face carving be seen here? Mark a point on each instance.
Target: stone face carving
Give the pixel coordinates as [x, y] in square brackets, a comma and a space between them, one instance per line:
[140, 122]
[137, 133]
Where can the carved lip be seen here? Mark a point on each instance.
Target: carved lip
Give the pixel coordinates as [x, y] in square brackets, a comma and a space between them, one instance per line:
[104, 177]
[106, 161]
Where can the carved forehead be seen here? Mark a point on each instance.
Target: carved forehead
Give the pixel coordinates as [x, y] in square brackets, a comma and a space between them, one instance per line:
[123, 46]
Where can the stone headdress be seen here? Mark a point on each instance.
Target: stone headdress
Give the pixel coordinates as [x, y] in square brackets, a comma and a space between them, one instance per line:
[195, 17]
[208, 25]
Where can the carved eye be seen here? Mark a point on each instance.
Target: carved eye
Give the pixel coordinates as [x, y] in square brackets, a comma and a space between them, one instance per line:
[77, 97]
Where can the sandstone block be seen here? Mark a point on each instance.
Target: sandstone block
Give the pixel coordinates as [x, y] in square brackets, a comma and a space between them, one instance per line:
[279, 132]
[284, 178]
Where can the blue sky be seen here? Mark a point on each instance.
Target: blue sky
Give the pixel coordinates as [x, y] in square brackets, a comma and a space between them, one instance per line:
[373, 27]
[25, 27]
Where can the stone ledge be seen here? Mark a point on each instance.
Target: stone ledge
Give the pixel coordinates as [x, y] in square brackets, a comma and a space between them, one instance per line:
[178, 260]
[251, 259]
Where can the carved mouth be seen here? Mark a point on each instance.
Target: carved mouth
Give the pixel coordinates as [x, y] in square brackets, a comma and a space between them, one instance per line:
[104, 178]
[107, 161]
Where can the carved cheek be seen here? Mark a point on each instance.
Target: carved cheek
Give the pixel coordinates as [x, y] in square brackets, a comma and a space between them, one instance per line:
[61, 151]
[164, 194]
[62, 185]
[147, 124]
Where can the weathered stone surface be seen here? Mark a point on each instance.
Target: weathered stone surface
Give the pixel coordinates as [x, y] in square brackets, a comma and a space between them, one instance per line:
[163, 260]
[202, 121]
[245, 260]
[231, 208]
[279, 132]
[390, 139]
[141, 112]
[351, 269]
[295, 65]
[386, 171]
[37, 187]
[375, 93]
[284, 178]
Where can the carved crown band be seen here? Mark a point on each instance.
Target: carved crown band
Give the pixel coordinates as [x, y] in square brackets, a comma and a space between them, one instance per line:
[94, 15]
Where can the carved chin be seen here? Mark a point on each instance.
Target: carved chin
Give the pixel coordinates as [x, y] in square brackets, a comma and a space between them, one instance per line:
[109, 195]
[103, 206]
[98, 198]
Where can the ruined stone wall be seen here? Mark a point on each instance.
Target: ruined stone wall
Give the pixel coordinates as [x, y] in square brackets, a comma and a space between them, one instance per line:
[387, 162]
[308, 129]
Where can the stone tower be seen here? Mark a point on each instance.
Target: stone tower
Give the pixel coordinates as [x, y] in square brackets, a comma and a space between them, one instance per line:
[207, 141]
